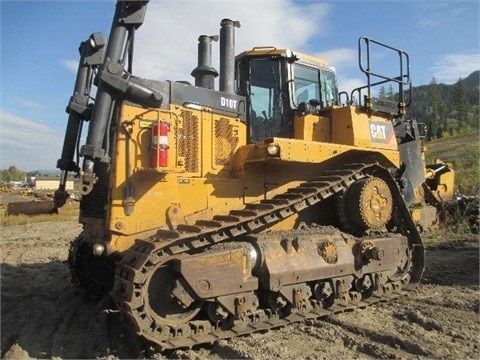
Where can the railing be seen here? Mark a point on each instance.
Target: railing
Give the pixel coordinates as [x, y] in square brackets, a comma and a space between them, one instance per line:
[375, 78]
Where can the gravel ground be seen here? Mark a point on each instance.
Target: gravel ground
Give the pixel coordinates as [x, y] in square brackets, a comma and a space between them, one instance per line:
[43, 316]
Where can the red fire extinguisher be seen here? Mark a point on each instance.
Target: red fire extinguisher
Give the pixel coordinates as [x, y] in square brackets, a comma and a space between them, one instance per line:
[159, 147]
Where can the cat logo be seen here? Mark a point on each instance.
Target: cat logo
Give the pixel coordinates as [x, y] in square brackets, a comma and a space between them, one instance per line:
[378, 131]
[381, 132]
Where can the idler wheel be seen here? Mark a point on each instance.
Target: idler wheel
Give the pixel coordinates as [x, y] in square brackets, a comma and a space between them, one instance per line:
[368, 204]
[160, 302]
[94, 274]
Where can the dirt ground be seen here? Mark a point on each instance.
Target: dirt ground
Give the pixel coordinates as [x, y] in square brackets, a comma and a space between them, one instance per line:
[43, 316]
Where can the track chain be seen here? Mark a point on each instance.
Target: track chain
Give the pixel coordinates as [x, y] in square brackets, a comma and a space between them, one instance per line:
[132, 271]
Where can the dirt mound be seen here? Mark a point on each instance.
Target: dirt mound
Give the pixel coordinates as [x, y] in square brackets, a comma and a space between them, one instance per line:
[5, 199]
[43, 316]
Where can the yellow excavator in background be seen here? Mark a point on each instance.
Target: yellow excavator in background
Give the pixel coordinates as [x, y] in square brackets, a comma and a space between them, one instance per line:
[209, 213]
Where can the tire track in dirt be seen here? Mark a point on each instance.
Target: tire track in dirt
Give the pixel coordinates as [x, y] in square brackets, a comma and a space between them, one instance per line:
[379, 344]
[42, 312]
[43, 316]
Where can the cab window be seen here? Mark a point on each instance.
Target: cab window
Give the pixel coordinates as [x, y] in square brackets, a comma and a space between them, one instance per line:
[306, 84]
[329, 88]
[314, 84]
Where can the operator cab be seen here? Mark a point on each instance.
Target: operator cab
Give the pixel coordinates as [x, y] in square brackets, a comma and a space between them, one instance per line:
[275, 81]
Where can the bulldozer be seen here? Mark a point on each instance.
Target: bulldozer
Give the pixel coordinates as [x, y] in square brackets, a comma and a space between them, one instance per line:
[209, 214]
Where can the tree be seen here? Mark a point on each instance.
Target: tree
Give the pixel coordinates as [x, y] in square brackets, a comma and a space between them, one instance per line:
[382, 94]
[386, 94]
[436, 122]
[390, 93]
[460, 103]
[12, 174]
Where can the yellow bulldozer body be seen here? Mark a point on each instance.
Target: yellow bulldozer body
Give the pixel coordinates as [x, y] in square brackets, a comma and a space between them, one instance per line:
[210, 172]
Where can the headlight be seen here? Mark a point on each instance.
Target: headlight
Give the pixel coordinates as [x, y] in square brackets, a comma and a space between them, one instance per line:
[273, 150]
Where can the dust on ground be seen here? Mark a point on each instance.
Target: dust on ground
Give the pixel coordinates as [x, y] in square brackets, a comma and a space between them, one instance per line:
[44, 316]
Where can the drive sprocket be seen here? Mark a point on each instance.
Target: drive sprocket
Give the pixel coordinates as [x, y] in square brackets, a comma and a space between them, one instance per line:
[367, 204]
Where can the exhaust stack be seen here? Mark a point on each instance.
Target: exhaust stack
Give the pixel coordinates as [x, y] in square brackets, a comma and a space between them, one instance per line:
[204, 73]
[227, 55]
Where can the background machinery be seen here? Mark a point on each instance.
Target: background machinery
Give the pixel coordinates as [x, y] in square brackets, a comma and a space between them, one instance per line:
[214, 213]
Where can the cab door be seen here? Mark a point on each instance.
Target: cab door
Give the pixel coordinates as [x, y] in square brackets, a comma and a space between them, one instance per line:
[262, 81]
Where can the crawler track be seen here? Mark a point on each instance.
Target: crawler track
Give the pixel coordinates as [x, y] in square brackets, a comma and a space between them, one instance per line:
[132, 271]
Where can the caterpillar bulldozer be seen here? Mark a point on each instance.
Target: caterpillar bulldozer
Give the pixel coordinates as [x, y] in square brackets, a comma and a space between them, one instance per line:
[209, 214]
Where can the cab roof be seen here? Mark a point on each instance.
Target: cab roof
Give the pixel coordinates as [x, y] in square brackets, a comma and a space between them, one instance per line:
[270, 50]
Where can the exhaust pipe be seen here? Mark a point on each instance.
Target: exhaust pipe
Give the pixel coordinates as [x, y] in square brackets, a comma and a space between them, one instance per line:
[204, 73]
[227, 55]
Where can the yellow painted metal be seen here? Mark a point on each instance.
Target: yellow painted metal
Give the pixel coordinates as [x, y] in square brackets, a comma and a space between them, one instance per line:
[350, 126]
[313, 128]
[445, 190]
[314, 152]
[445, 183]
[211, 169]
[416, 215]
[200, 147]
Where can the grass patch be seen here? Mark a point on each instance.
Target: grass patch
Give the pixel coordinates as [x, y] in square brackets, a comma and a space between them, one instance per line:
[456, 227]
[463, 152]
[452, 148]
[69, 212]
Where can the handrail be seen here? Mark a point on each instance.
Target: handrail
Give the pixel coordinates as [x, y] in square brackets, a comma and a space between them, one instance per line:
[403, 79]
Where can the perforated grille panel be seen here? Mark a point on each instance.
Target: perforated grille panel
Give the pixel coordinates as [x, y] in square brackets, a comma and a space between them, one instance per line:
[226, 141]
[188, 137]
[93, 204]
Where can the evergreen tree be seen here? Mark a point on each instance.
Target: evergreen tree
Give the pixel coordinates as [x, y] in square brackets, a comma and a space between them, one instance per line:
[460, 103]
[390, 93]
[440, 119]
[437, 118]
[382, 93]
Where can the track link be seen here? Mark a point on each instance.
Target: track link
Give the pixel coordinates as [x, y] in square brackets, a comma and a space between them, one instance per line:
[132, 271]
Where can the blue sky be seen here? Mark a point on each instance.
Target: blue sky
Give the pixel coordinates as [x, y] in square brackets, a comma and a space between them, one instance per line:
[40, 39]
